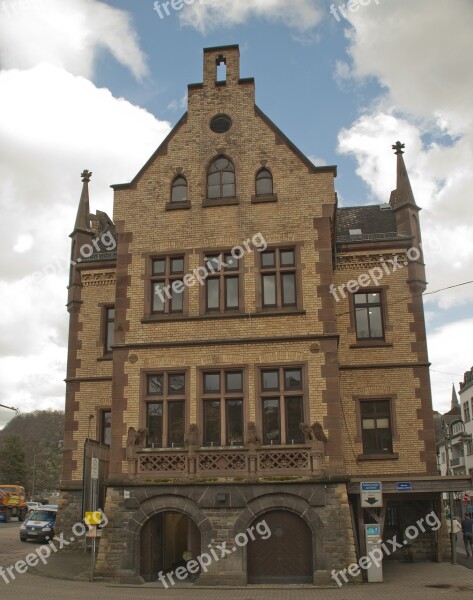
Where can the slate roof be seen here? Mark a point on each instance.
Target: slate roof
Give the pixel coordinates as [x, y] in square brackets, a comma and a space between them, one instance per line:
[375, 222]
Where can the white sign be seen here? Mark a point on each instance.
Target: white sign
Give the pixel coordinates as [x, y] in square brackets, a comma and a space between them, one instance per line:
[371, 493]
[95, 468]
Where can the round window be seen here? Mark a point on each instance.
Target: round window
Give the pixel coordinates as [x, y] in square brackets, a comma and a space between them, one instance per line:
[220, 124]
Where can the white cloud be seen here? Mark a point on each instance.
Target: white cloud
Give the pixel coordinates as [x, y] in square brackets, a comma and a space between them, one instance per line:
[421, 56]
[450, 355]
[318, 162]
[428, 104]
[211, 15]
[67, 34]
[53, 125]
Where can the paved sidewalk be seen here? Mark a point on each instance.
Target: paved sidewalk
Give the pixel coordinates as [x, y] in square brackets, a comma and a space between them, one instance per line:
[418, 581]
[423, 579]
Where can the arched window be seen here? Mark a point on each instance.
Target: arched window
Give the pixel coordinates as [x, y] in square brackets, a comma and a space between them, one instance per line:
[221, 179]
[179, 190]
[264, 183]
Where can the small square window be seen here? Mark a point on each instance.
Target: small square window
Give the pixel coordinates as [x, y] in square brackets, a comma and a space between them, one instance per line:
[270, 380]
[212, 382]
[176, 385]
[234, 381]
[213, 263]
[293, 379]
[268, 259]
[374, 298]
[159, 266]
[155, 385]
[231, 262]
[287, 258]
[177, 265]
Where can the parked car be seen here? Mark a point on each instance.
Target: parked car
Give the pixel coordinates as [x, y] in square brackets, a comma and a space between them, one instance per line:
[39, 524]
[32, 506]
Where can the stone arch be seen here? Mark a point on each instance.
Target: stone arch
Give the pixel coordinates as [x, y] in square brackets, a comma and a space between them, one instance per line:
[289, 502]
[151, 507]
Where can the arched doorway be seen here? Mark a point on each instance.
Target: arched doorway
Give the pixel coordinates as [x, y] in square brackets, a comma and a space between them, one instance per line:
[285, 557]
[165, 538]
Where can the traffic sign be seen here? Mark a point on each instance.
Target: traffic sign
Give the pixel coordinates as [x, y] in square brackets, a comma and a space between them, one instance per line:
[371, 493]
[404, 486]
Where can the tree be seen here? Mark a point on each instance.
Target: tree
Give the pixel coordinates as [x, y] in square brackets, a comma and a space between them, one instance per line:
[13, 467]
[41, 433]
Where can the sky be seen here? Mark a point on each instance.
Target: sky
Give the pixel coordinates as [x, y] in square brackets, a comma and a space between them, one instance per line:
[98, 85]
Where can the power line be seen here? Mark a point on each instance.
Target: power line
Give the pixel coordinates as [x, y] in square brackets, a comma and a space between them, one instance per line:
[450, 287]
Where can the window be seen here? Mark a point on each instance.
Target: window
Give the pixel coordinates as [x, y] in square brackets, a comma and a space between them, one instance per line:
[220, 124]
[376, 426]
[369, 316]
[264, 183]
[221, 179]
[466, 410]
[278, 278]
[222, 286]
[282, 401]
[106, 427]
[109, 330]
[179, 190]
[167, 287]
[222, 407]
[165, 409]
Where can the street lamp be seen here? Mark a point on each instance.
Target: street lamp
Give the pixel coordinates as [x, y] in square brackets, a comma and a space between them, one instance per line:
[17, 410]
[464, 437]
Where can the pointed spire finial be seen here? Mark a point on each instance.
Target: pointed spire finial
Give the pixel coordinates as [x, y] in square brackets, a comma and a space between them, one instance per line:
[455, 401]
[83, 212]
[86, 175]
[399, 148]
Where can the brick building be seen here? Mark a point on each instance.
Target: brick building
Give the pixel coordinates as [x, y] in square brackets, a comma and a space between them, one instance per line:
[227, 370]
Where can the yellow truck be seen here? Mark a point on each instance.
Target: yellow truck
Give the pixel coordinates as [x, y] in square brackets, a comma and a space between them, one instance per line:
[12, 503]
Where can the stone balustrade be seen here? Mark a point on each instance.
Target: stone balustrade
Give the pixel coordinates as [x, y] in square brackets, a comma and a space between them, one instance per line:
[246, 462]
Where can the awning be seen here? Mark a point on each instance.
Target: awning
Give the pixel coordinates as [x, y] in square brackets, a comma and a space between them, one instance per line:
[415, 484]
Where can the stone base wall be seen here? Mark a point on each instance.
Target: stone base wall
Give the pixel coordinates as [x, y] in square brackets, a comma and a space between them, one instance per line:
[69, 513]
[324, 508]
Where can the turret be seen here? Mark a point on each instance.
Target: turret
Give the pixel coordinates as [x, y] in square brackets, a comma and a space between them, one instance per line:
[404, 206]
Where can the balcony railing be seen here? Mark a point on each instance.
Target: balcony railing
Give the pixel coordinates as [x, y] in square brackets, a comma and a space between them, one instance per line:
[245, 462]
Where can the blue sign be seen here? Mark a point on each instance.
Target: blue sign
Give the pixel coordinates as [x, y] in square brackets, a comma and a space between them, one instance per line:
[373, 530]
[404, 486]
[371, 486]
[470, 509]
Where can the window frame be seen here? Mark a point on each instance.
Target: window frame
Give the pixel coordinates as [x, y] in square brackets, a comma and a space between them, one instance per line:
[279, 270]
[223, 397]
[282, 394]
[101, 425]
[168, 278]
[381, 304]
[174, 186]
[166, 398]
[225, 200]
[257, 178]
[222, 275]
[395, 437]
[221, 196]
[106, 308]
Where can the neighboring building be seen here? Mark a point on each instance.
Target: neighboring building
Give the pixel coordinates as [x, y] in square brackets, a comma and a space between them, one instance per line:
[466, 403]
[454, 445]
[270, 391]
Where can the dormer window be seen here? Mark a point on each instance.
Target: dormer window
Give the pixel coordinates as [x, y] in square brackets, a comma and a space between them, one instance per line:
[179, 190]
[264, 183]
[221, 179]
